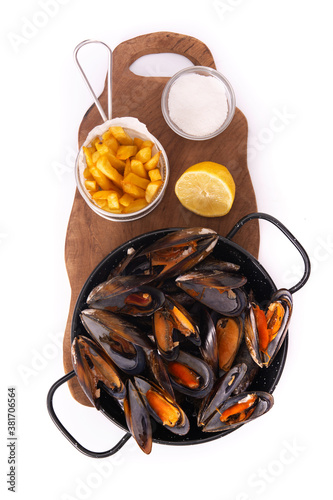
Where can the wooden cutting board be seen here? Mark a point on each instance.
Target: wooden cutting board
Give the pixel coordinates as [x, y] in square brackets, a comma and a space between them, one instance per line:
[90, 237]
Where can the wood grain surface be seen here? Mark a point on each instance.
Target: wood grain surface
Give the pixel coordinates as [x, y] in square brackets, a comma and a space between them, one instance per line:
[90, 237]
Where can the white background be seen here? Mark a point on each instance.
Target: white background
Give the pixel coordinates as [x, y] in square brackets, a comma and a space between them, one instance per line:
[277, 55]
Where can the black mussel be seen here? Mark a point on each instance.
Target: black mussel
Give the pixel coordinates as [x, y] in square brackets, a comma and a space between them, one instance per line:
[126, 295]
[220, 280]
[173, 316]
[222, 390]
[213, 264]
[163, 407]
[265, 330]
[220, 291]
[229, 334]
[137, 418]
[238, 410]
[158, 370]
[98, 319]
[121, 340]
[208, 348]
[170, 288]
[126, 266]
[182, 320]
[244, 356]
[179, 251]
[190, 375]
[183, 299]
[163, 328]
[95, 371]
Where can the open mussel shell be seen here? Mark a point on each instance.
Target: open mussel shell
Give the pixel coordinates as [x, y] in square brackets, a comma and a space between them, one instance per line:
[213, 264]
[163, 407]
[219, 291]
[121, 340]
[95, 370]
[252, 336]
[178, 251]
[182, 320]
[190, 375]
[229, 335]
[137, 418]
[285, 298]
[105, 320]
[243, 356]
[171, 324]
[238, 410]
[222, 390]
[208, 348]
[158, 370]
[264, 358]
[127, 295]
[125, 266]
[164, 332]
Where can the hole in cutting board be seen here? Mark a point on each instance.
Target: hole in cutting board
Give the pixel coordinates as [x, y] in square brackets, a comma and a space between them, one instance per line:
[163, 64]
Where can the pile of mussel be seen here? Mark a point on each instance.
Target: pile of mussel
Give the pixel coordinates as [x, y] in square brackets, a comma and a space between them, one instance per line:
[171, 327]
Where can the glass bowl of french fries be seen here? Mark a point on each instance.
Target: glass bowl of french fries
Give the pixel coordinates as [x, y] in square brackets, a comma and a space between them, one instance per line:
[122, 170]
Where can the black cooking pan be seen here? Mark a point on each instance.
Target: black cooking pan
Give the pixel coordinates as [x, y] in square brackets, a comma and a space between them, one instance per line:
[258, 280]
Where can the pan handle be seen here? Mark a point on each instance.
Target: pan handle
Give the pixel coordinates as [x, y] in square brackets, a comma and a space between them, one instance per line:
[71, 439]
[287, 233]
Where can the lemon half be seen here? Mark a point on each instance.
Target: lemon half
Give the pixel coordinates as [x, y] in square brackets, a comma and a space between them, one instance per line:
[207, 189]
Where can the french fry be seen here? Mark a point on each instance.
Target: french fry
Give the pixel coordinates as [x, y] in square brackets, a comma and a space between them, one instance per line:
[102, 204]
[133, 190]
[138, 168]
[91, 185]
[153, 162]
[124, 152]
[127, 169]
[115, 162]
[113, 201]
[112, 144]
[107, 135]
[135, 206]
[121, 136]
[87, 174]
[100, 178]
[88, 152]
[103, 194]
[138, 142]
[96, 141]
[107, 169]
[91, 149]
[155, 174]
[102, 148]
[152, 190]
[126, 199]
[143, 154]
[95, 156]
[147, 144]
[137, 180]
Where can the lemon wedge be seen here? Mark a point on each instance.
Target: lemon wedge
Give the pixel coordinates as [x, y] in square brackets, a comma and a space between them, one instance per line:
[207, 189]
